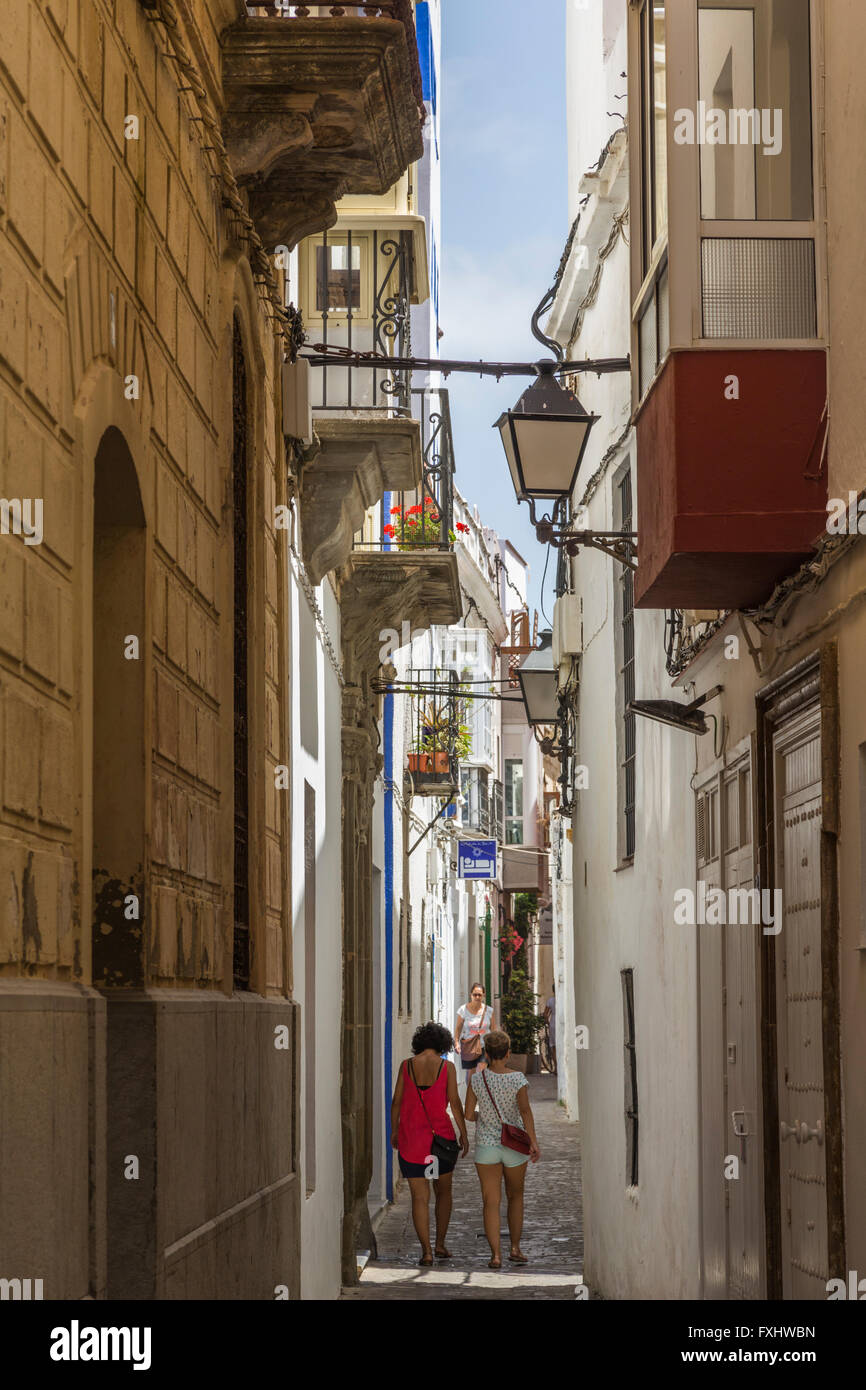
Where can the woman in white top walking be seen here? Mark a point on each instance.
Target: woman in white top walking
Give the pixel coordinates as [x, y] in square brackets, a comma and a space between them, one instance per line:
[474, 1021]
[498, 1098]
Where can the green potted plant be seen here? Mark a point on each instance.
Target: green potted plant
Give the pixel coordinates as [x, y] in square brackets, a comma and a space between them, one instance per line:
[520, 1020]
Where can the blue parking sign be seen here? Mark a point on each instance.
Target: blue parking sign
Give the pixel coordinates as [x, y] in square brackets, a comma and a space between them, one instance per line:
[476, 858]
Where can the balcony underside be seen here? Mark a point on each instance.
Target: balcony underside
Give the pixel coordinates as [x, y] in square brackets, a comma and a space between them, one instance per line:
[379, 591]
[731, 495]
[358, 459]
[315, 109]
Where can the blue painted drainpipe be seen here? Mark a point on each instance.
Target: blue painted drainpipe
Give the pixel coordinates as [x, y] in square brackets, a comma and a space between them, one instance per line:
[388, 754]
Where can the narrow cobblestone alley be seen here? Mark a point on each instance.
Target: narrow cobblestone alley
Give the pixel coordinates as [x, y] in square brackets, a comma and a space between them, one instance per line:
[553, 1229]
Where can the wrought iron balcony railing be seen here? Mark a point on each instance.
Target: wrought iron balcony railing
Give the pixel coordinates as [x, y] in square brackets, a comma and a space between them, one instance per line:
[358, 296]
[422, 519]
[283, 9]
[432, 761]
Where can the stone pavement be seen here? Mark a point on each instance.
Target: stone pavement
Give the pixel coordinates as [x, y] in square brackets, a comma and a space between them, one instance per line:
[552, 1232]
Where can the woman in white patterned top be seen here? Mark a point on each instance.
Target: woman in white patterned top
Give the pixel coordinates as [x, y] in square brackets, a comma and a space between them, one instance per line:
[496, 1097]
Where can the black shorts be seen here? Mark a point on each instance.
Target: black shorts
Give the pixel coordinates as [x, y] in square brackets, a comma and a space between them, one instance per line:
[469, 1066]
[419, 1170]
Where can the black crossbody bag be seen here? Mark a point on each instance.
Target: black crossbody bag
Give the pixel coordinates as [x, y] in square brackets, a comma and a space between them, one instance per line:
[442, 1149]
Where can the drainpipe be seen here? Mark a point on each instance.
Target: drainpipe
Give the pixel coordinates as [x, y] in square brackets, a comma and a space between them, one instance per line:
[388, 754]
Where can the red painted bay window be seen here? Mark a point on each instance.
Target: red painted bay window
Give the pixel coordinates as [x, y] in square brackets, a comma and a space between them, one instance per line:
[728, 298]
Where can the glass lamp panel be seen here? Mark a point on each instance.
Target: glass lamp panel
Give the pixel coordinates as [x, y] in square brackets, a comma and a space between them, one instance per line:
[549, 453]
[540, 696]
[508, 445]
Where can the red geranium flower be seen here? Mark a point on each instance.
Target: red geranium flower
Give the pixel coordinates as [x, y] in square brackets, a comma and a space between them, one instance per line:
[389, 530]
[460, 526]
[396, 511]
[413, 511]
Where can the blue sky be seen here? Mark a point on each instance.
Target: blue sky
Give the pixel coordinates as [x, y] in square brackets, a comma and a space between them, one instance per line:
[505, 222]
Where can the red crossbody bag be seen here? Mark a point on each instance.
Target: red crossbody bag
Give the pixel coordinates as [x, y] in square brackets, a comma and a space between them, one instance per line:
[511, 1136]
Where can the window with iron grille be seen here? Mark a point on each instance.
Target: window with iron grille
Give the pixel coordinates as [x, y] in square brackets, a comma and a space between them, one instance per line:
[513, 801]
[630, 1062]
[627, 732]
[476, 800]
[241, 940]
[496, 806]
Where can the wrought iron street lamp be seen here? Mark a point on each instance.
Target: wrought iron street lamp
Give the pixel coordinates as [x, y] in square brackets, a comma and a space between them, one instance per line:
[544, 438]
[538, 683]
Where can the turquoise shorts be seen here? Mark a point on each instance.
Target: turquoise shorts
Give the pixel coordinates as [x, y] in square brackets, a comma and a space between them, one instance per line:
[497, 1153]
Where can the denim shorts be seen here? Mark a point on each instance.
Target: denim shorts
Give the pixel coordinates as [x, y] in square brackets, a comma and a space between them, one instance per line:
[497, 1153]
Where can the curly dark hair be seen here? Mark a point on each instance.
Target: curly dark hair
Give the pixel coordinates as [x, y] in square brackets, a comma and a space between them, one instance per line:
[432, 1035]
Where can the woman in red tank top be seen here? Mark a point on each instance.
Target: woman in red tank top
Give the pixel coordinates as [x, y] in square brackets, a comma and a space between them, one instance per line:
[426, 1086]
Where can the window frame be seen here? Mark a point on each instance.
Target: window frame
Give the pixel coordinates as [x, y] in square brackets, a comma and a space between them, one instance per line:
[512, 819]
[686, 231]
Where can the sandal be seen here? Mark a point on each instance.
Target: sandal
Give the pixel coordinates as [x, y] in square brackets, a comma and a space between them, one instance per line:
[494, 1264]
[442, 1254]
[426, 1261]
[518, 1259]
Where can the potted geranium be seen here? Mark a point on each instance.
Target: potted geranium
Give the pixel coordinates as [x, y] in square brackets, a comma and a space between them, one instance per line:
[418, 527]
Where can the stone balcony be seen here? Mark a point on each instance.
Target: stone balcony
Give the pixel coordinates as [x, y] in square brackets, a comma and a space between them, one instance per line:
[381, 590]
[357, 457]
[316, 108]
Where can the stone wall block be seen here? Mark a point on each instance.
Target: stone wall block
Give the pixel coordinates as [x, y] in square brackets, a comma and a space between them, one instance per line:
[16, 30]
[178, 604]
[76, 138]
[56, 768]
[100, 181]
[21, 755]
[13, 314]
[166, 511]
[45, 82]
[40, 621]
[12, 597]
[92, 40]
[26, 187]
[45, 897]
[158, 606]
[186, 754]
[66, 652]
[197, 840]
[67, 920]
[58, 491]
[196, 645]
[166, 717]
[124, 226]
[12, 860]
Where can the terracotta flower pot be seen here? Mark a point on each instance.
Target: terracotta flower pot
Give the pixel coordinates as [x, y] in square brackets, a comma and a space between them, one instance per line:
[419, 762]
[441, 762]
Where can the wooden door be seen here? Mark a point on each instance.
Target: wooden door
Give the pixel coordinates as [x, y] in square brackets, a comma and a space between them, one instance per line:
[745, 1223]
[802, 1152]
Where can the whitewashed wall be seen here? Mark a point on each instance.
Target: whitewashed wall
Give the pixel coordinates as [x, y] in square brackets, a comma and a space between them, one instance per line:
[316, 761]
[640, 1242]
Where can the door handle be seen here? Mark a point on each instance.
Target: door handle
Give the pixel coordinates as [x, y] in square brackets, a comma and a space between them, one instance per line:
[817, 1133]
[790, 1132]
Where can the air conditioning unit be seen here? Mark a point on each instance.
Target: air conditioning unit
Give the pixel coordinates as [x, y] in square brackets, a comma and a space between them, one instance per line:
[567, 633]
[297, 408]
